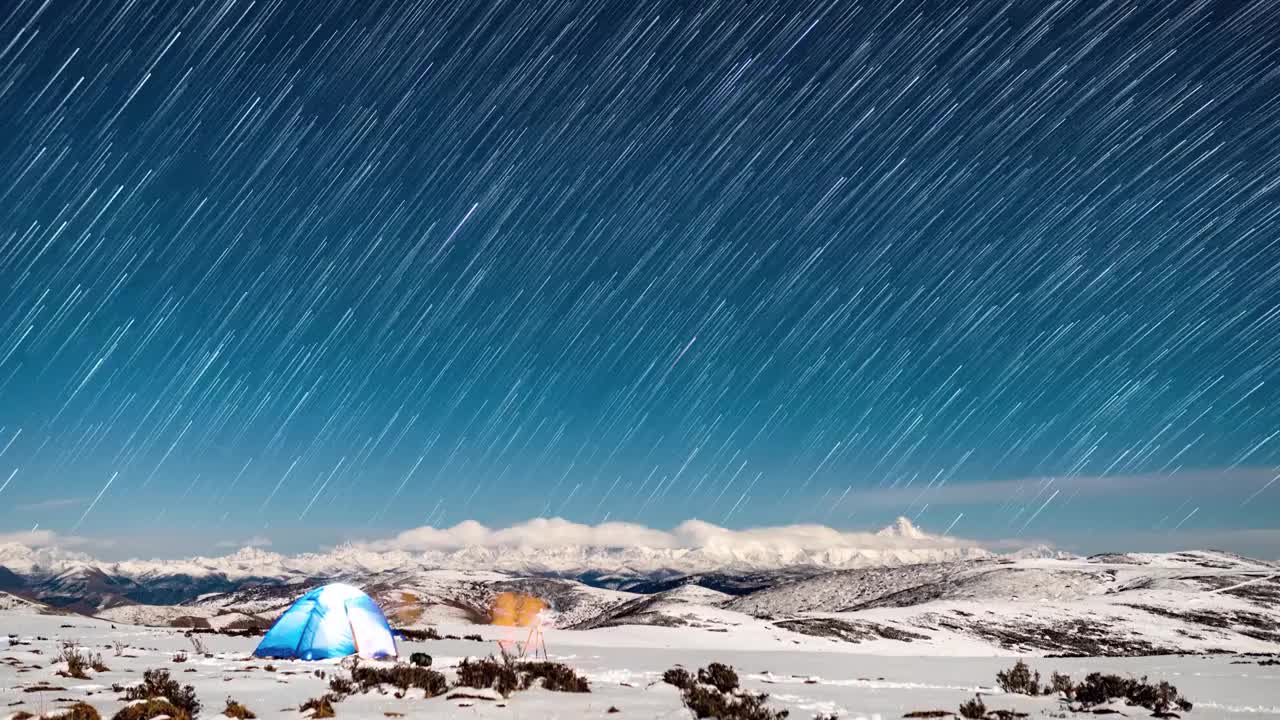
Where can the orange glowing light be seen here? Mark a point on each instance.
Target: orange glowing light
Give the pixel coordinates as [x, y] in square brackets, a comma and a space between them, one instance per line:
[512, 609]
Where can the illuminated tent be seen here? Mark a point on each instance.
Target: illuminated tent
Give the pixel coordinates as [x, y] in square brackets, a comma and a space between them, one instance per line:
[328, 622]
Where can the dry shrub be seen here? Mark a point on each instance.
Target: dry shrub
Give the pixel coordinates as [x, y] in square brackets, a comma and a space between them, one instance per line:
[679, 677]
[76, 662]
[707, 702]
[321, 707]
[370, 677]
[719, 676]
[973, 709]
[179, 657]
[557, 677]
[341, 686]
[236, 710]
[157, 685]
[153, 708]
[1019, 679]
[80, 711]
[419, 635]
[489, 673]
[1162, 698]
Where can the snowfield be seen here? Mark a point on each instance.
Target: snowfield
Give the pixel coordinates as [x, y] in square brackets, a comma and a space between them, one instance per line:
[806, 675]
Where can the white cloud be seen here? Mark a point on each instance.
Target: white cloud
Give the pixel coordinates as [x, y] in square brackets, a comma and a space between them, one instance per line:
[44, 539]
[557, 532]
[254, 542]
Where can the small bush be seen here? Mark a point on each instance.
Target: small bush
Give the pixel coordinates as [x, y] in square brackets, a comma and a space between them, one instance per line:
[973, 709]
[118, 647]
[153, 708]
[76, 663]
[96, 664]
[1161, 697]
[1019, 679]
[236, 710]
[678, 677]
[473, 637]
[341, 686]
[1059, 683]
[419, 635]
[420, 659]
[179, 657]
[401, 676]
[321, 707]
[707, 702]
[157, 685]
[80, 711]
[268, 668]
[720, 676]
[489, 673]
[557, 677]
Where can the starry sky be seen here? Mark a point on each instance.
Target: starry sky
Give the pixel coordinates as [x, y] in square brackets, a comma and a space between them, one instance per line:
[323, 270]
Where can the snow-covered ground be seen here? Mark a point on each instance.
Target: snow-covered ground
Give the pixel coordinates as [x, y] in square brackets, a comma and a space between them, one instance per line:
[802, 673]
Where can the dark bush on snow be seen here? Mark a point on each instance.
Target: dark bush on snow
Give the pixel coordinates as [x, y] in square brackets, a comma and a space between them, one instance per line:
[157, 685]
[152, 708]
[714, 692]
[1061, 684]
[489, 673]
[341, 686]
[369, 677]
[236, 710]
[678, 677]
[419, 635]
[1161, 697]
[1019, 679]
[420, 660]
[321, 707]
[973, 709]
[720, 676]
[555, 676]
[708, 702]
[80, 711]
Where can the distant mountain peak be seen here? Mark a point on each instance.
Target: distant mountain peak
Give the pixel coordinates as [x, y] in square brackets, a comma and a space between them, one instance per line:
[903, 528]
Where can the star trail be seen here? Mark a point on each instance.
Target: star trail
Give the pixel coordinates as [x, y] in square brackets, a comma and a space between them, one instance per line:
[287, 265]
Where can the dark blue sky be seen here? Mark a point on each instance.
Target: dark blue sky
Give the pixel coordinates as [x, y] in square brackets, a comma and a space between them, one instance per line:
[324, 272]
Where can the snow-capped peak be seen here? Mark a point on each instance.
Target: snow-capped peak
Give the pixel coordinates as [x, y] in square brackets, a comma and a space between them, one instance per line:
[903, 528]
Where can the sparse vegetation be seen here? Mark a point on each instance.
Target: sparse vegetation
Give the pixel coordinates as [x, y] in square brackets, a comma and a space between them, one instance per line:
[679, 677]
[716, 694]
[152, 708]
[320, 707]
[556, 677]
[1096, 689]
[1059, 683]
[119, 648]
[236, 710]
[473, 637]
[1162, 698]
[926, 714]
[1019, 679]
[489, 673]
[973, 709]
[80, 711]
[157, 685]
[76, 662]
[419, 635]
[720, 676]
[339, 685]
[401, 676]
[420, 659]
[179, 657]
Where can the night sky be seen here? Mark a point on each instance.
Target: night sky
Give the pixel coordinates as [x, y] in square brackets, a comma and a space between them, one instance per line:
[331, 270]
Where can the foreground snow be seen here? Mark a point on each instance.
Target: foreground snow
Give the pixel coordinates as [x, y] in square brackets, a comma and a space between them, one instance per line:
[804, 674]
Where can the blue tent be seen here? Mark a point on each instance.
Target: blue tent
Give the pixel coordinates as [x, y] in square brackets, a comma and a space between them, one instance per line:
[328, 622]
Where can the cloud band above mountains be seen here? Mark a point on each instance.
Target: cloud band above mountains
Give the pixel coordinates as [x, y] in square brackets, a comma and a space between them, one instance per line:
[691, 534]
